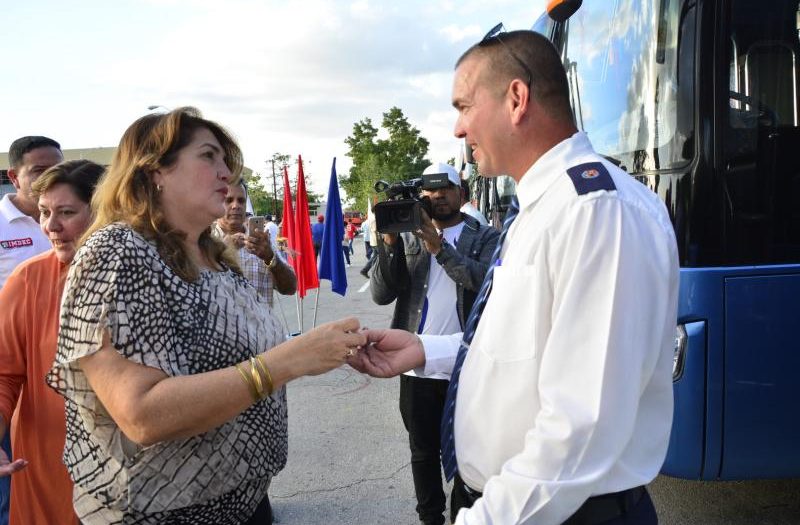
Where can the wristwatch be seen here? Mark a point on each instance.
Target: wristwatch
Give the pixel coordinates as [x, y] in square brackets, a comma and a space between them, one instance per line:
[273, 262]
[440, 254]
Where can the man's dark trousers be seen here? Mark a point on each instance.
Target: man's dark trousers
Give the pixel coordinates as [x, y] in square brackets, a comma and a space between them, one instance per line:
[642, 512]
[421, 406]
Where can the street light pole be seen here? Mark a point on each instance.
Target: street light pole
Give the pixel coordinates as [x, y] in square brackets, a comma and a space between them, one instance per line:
[274, 191]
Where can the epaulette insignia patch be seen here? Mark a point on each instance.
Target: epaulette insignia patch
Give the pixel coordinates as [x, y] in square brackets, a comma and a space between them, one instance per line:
[589, 177]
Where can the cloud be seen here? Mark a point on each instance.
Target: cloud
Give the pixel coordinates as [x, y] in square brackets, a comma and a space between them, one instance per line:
[282, 76]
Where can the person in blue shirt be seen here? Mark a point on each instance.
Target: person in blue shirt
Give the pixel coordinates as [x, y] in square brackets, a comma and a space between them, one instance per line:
[316, 234]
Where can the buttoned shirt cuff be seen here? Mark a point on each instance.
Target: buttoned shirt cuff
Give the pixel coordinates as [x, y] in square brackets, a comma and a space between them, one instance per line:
[440, 354]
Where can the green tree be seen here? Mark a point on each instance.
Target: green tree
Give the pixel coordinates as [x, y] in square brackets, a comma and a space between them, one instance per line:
[261, 199]
[274, 186]
[401, 156]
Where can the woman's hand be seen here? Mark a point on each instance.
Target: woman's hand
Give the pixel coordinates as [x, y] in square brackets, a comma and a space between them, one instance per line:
[327, 346]
[10, 467]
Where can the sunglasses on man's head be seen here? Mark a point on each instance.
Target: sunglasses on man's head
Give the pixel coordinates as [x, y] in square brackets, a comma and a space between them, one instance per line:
[494, 34]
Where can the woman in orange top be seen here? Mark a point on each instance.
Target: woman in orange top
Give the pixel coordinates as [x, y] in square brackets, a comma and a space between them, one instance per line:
[41, 490]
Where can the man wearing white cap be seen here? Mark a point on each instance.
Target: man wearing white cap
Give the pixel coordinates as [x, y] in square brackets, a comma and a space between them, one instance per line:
[433, 274]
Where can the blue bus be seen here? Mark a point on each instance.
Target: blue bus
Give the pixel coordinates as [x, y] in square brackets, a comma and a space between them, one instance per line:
[698, 99]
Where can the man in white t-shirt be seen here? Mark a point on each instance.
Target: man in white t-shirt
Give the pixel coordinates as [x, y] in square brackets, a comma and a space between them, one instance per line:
[272, 228]
[469, 208]
[433, 274]
[20, 235]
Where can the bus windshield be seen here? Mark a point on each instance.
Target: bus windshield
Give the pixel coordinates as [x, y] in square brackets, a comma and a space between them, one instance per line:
[621, 61]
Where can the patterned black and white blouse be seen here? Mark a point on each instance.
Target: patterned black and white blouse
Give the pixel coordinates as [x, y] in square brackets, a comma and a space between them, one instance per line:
[119, 284]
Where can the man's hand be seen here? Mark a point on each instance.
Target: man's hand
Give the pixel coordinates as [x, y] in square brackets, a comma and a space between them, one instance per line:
[388, 352]
[389, 238]
[429, 235]
[258, 243]
[10, 467]
[234, 239]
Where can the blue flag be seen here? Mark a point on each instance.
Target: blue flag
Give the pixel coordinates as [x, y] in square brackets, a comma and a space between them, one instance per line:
[331, 256]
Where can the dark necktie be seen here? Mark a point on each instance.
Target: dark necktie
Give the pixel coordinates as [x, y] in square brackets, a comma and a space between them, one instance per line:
[448, 439]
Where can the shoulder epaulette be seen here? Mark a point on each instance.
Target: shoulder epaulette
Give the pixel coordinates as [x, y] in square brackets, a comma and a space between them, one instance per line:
[589, 177]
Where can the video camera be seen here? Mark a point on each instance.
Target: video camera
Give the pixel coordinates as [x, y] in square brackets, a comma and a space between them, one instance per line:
[401, 211]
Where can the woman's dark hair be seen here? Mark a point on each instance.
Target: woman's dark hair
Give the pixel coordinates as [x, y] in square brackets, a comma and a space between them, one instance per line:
[81, 176]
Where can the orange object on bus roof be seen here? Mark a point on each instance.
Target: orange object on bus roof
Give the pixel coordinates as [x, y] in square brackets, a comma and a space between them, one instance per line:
[560, 10]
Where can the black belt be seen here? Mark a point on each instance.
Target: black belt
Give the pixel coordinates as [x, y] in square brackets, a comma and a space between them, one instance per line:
[605, 507]
[594, 510]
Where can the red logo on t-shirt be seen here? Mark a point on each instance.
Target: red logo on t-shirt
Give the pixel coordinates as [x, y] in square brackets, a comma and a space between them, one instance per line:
[16, 243]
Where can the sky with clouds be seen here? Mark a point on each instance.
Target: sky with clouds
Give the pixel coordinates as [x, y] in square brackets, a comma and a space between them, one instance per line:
[289, 77]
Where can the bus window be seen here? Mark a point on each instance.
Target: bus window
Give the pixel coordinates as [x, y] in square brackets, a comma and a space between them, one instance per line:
[761, 168]
[621, 59]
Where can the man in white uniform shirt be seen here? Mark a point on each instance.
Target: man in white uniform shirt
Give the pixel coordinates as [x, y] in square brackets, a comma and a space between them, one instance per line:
[560, 404]
[433, 276]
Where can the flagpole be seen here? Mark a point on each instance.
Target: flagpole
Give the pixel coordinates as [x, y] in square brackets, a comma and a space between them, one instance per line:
[283, 315]
[299, 302]
[316, 306]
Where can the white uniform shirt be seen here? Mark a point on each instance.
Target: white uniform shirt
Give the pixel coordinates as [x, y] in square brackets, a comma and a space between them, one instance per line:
[21, 238]
[566, 391]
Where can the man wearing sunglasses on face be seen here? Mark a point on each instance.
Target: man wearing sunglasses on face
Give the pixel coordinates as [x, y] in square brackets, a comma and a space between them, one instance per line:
[560, 399]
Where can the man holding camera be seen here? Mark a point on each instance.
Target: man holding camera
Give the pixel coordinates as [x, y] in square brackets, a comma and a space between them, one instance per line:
[434, 275]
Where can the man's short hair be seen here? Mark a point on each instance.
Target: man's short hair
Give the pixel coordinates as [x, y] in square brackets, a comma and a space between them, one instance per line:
[23, 145]
[549, 86]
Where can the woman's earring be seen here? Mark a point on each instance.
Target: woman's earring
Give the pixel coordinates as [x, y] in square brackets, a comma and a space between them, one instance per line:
[158, 188]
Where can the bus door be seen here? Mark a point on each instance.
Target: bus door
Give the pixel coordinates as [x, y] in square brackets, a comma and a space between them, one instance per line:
[760, 178]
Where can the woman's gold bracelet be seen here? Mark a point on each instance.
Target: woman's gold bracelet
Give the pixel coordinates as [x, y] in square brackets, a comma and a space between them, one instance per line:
[256, 378]
[267, 375]
[259, 380]
[248, 381]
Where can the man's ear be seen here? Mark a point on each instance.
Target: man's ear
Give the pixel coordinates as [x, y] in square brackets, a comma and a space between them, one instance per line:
[12, 176]
[518, 97]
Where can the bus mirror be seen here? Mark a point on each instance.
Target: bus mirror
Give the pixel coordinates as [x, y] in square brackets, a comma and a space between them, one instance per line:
[561, 10]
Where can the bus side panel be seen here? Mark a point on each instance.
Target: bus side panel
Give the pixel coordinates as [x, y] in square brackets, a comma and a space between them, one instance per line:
[762, 388]
[685, 454]
[695, 442]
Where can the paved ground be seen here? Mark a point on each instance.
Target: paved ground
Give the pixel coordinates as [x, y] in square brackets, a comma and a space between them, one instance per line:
[349, 460]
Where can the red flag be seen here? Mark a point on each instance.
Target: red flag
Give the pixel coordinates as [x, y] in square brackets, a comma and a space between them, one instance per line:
[288, 229]
[306, 269]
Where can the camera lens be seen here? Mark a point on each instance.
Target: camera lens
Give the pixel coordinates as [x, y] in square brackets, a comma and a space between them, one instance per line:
[402, 215]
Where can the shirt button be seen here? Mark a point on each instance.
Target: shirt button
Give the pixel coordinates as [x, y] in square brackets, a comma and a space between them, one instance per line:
[419, 311]
[424, 285]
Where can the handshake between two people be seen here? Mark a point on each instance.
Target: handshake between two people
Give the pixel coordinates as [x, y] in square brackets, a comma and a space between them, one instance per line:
[382, 352]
